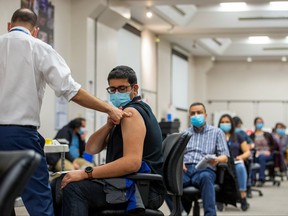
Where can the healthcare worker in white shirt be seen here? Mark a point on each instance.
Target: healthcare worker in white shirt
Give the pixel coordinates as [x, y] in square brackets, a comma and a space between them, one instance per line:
[26, 65]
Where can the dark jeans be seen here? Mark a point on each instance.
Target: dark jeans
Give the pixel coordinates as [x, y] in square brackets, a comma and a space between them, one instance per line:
[36, 196]
[261, 159]
[79, 197]
[204, 180]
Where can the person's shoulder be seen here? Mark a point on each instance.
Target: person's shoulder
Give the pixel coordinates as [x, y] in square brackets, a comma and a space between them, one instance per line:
[212, 128]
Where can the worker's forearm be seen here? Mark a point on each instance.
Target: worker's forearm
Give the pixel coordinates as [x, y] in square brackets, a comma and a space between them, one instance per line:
[87, 100]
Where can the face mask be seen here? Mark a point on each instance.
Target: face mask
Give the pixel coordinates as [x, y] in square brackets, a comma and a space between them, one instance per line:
[259, 125]
[281, 131]
[120, 99]
[226, 127]
[197, 120]
[82, 130]
[237, 130]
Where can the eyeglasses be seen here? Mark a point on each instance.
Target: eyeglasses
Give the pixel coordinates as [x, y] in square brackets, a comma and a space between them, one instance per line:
[121, 89]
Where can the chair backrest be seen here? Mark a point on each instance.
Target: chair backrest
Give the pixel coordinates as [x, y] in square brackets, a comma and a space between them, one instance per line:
[173, 150]
[16, 168]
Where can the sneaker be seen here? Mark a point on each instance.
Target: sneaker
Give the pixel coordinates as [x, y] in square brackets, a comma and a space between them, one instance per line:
[220, 206]
[244, 204]
[249, 192]
[260, 184]
[184, 213]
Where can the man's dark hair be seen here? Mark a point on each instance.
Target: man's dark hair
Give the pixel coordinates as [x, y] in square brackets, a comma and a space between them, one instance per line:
[24, 15]
[198, 104]
[76, 123]
[123, 72]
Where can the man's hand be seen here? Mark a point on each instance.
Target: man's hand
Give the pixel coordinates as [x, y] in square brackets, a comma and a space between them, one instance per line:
[76, 165]
[116, 115]
[73, 176]
[184, 168]
[213, 162]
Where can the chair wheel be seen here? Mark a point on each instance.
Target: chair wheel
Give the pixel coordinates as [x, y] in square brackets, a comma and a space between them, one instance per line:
[278, 184]
[260, 193]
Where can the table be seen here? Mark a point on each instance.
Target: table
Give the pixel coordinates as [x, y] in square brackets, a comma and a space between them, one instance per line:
[56, 147]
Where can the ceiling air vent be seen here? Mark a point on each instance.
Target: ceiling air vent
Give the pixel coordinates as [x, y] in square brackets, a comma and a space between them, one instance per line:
[176, 14]
[275, 48]
[262, 18]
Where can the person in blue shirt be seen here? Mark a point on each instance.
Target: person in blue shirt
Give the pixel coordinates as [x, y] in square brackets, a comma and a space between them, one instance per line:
[206, 139]
[74, 132]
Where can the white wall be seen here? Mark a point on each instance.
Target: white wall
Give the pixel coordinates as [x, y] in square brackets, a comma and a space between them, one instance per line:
[265, 82]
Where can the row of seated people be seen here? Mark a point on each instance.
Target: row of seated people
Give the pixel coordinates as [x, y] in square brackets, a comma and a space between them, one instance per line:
[222, 141]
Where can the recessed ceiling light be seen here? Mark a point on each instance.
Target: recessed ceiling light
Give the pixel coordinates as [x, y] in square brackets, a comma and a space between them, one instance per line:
[149, 14]
[233, 6]
[213, 58]
[284, 59]
[259, 39]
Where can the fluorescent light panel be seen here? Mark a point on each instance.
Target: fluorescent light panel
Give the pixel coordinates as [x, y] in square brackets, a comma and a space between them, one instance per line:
[259, 39]
[279, 5]
[233, 6]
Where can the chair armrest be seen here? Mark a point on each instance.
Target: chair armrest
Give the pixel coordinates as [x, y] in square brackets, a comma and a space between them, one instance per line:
[221, 168]
[142, 181]
[145, 176]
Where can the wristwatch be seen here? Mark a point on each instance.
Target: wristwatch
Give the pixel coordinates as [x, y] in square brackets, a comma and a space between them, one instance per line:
[89, 171]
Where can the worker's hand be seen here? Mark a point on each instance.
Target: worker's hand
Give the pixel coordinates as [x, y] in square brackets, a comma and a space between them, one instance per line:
[73, 176]
[116, 114]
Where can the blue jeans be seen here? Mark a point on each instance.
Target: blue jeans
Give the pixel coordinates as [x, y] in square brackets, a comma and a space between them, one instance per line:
[37, 195]
[262, 159]
[204, 180]
[241, 176]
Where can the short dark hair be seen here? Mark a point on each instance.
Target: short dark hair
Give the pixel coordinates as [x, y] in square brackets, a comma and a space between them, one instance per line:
[123, 72]
[24, 15]
[237, 121]
[257, 118]
[198, 104]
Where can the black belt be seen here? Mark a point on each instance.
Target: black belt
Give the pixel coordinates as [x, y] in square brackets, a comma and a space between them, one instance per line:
[26, 126]
[190, 163]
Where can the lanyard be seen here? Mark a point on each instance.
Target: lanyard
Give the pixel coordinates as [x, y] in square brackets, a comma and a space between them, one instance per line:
[18, 29]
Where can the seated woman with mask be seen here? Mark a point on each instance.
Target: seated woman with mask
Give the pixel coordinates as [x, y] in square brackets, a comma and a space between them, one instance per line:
[239, 150]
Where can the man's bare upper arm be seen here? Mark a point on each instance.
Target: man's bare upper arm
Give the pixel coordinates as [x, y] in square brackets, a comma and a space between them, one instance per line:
[133, 133]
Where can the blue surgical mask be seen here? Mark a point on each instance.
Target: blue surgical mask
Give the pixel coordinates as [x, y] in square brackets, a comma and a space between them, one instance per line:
[281, 131]
[226, 127]
[82, 130]
[120, 99]
[237, 130]
[197, 120]
[259, 126]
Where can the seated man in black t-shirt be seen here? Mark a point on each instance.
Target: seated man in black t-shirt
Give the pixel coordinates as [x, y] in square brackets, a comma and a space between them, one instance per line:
[136, 139]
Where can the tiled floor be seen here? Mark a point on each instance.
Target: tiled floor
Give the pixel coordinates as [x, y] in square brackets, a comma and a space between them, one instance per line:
[274, 202]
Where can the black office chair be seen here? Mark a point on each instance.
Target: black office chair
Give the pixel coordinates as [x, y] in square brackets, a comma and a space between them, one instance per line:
[16, 168]
[173, 148]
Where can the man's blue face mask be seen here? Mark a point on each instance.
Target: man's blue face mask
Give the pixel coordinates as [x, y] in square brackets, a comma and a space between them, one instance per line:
[197, 120]
[120, 99]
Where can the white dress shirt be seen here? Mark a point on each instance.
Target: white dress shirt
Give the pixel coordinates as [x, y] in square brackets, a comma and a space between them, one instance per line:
[26, 65]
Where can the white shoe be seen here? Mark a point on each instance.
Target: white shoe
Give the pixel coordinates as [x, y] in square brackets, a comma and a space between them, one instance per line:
[184, 213]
